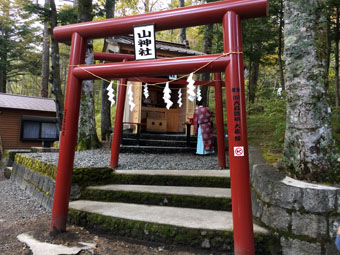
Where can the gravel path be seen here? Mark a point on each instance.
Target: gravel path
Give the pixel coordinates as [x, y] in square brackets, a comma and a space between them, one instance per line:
[17, 211]
[101, 158]
[20, 213]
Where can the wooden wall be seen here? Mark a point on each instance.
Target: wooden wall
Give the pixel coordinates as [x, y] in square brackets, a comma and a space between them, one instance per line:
[10, 124]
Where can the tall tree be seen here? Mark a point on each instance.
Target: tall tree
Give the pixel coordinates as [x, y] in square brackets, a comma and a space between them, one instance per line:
[309, 149]
[55, 74]
[49, 16]
[45, 69]
[207, 48]
[87, 135]
[260, 38]
[105, 104]
[18, 42]
[182, 32]
[280, 46]
[336, 51]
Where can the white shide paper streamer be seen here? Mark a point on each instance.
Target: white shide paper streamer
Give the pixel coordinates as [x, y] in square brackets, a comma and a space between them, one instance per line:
[111, 94]
[179, 102]
[199, 97]
[146, 91]
[130, 96]
[167, 96]
[191, 88]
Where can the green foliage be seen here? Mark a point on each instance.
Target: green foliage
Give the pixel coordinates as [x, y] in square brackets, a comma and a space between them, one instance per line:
[266, 124]
[18, 41]
[67, 15]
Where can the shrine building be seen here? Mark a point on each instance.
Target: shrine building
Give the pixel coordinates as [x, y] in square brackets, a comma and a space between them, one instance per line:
[151, 112]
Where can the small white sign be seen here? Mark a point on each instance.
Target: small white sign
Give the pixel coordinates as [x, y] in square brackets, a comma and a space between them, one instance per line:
[239, 151]
[173, 77]
[144, 40]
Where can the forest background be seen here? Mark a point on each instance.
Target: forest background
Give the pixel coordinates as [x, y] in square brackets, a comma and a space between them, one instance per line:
[32, 63]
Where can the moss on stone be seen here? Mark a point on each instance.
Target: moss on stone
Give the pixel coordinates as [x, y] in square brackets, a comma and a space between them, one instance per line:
[37, 165]
[196, 181]
[219, 240]
[158, 199]
[86, 176]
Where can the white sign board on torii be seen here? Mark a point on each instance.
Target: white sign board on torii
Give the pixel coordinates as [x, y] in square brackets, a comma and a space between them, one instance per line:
[144, 42]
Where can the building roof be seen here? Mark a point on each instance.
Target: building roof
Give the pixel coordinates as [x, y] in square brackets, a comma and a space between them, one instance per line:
[27, 103]
[160, 45]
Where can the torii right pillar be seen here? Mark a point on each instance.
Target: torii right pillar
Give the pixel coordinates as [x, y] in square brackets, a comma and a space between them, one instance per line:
[237, 133]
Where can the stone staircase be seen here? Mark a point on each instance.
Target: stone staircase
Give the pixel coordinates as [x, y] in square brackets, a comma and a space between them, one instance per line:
[157, 143]
[189, 207]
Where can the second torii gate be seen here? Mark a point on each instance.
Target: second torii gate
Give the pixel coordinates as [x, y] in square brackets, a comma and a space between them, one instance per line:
[117, 135]
[229, 13]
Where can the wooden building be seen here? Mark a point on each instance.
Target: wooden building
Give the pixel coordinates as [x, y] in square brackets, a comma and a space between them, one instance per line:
[26, 122]
[152, 111]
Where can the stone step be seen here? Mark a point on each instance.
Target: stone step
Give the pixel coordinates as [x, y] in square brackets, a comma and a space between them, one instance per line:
[193, 173]
[179, 196]
[155, 149]
[195, 178]
[195, 227]
[158, 143]
[156, 136]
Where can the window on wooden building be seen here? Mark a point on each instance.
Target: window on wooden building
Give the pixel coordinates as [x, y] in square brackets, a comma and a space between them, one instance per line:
[38, 128]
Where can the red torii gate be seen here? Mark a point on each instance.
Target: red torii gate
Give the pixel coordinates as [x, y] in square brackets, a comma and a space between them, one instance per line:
[230, 14]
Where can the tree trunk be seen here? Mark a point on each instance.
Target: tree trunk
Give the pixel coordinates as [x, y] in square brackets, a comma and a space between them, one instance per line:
[182, 32]
[336, 53]
[207, 47]
[3, 79]
[253, 78]
[3, 61]
[87, 134]
[146, 6]
[55, 74]
[281, 25]
[45, 69]
[309, 150]
[105, 119]
[110, 8]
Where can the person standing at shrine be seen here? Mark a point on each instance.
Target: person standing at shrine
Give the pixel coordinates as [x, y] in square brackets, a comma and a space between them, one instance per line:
[204, 130]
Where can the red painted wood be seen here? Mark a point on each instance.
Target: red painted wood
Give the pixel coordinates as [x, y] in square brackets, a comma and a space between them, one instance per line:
[219, 121]
[153, 67]
[237, 137]
[68, 137]
[114, 57]
[176, 18]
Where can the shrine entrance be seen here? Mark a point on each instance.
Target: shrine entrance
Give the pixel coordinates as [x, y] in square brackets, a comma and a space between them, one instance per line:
[229, 13]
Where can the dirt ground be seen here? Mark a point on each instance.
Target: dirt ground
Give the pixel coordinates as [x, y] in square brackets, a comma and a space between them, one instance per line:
[15, 220]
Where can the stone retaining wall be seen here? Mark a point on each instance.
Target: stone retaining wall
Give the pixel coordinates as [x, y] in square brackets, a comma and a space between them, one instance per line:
[36, 184]
[305, 216]
[37, 178]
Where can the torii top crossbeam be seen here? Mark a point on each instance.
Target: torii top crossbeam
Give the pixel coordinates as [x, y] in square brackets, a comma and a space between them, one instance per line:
[176, 18]
[229, 13]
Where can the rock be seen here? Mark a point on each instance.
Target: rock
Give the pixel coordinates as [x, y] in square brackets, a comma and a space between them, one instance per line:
[206, 244]
[290, 246]
[309, 225]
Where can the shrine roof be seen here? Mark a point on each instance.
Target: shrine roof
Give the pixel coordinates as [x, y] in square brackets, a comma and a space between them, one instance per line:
[27, 103]
[160, 45]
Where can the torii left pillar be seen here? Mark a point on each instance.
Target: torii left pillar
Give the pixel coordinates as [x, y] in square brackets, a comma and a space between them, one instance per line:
[68, 137]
